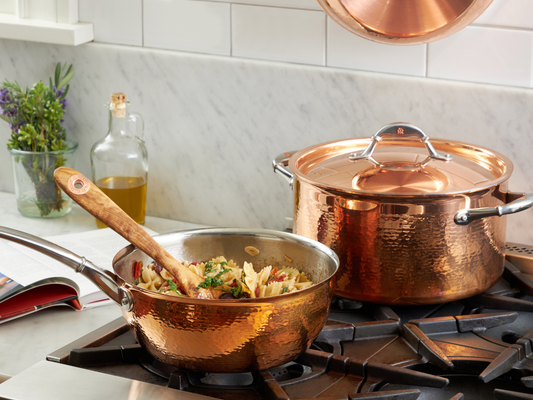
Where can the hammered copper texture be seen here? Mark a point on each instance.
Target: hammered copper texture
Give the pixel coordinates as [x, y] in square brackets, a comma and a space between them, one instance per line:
[405, 250]
[231, 335]
[225, 336]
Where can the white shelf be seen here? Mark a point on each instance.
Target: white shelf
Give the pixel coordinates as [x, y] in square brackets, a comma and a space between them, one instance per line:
[34, 30]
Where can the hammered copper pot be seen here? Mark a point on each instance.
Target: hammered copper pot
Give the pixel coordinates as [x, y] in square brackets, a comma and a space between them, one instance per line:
[413, 220]
[216, 335]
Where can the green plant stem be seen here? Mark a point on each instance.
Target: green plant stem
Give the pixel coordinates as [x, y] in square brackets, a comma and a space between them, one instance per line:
[41, 172]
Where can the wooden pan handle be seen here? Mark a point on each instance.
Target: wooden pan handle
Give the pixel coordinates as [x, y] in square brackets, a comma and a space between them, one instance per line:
[99, 205]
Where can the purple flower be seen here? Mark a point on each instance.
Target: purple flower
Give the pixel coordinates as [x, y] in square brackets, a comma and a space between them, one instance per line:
[5, 96]
[15, 126]
[59, 93]
[10, 112]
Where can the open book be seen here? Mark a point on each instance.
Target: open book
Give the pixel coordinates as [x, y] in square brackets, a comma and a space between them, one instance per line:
[31, 281]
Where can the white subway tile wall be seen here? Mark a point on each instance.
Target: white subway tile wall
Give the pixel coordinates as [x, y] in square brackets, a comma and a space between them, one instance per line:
[346, 50]
[483, 54]
[195, 26]
[496, 49]
[303, 4]
[114, 21]
[511, 13]
[280, 34]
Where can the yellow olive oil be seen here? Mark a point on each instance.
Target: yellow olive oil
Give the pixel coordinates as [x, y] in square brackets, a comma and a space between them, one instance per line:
[128, 192]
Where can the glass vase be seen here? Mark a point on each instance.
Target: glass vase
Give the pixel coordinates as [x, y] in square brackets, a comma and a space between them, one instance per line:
[36, 191]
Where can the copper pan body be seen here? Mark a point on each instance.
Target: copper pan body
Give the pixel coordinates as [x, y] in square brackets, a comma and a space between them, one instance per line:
[404, 22]
[215, 335]
[232, 335]
[400, 239]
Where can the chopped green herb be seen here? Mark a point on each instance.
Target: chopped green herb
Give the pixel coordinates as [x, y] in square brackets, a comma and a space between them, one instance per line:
[223, 272]
[209, 281]
[236, 291]
[172, 286]
[209, 267]
[285, 289]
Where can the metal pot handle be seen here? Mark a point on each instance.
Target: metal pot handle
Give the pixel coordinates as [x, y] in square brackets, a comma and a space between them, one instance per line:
[400, 129]
[281, 164]
[100, 277]
[464, 217]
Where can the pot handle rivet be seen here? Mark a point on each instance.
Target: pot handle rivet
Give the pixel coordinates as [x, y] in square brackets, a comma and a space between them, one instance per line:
[126, 300]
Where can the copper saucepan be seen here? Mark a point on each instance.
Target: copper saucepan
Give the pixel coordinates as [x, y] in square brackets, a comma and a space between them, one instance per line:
[413, 220]
[215, 335]
[404, 22]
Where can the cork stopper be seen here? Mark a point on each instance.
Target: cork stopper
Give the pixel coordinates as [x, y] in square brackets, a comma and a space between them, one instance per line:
[118, 105]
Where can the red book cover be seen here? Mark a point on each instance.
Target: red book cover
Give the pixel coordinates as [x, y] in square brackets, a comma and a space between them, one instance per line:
[37, 298]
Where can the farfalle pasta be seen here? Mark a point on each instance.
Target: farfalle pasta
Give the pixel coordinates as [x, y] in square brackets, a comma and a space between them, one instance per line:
[234, 281]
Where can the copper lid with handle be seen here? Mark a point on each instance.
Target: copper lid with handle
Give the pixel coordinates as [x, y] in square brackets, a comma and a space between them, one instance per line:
[400, 160]
[404, 22]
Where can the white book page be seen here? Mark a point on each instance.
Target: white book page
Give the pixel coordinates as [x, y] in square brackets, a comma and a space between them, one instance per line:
[26, 266]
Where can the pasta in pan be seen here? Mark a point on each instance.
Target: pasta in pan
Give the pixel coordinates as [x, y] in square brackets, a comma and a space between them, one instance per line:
[225, 275]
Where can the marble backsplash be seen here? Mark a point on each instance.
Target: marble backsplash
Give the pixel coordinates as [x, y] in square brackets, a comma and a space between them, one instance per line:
[213, 125]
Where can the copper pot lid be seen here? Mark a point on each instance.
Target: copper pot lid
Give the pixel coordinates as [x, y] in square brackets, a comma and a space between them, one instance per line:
[401, 160]
[404, 21]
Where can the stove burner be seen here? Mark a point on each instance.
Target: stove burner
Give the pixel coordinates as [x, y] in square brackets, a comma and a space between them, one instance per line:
[234, 381]
[468, 387]
[477, 348]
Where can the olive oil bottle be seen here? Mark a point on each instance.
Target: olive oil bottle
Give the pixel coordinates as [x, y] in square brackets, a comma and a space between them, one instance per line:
[119, 162]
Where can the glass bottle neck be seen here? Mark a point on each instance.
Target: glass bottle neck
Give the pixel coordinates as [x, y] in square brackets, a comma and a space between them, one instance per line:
[118, 121]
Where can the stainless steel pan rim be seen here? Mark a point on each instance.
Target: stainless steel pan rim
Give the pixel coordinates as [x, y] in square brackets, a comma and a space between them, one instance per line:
[252, 233]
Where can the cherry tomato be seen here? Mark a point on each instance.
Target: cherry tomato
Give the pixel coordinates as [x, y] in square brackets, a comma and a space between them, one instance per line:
[137, 268]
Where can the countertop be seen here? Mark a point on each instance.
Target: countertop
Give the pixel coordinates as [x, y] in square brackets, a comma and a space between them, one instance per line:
[28, 340]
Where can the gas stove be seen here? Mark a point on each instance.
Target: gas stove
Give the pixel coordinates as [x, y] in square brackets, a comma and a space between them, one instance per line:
[477, 348]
